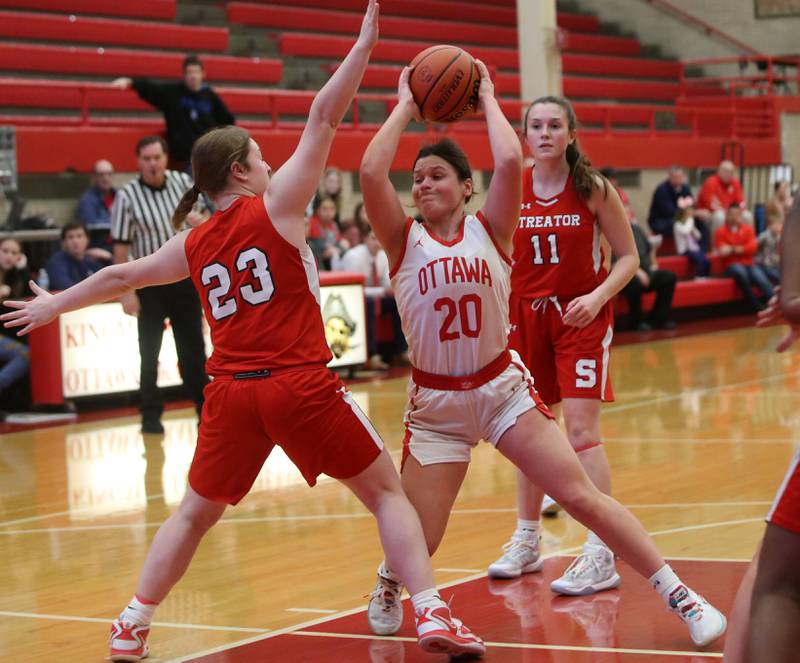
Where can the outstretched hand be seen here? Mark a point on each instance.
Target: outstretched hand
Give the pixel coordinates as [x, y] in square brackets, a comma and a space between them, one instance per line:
[369, 26]
[772, 315]
[32, 313]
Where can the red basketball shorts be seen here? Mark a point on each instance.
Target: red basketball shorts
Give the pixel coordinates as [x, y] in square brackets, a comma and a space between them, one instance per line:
[308, 412]
[566, 362]
[785, 511]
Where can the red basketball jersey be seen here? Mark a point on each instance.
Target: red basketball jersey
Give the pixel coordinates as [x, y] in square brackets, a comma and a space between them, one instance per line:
[260, 294]
[556, 245]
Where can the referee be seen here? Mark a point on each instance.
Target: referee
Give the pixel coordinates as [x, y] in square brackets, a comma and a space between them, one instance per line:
[141, 222]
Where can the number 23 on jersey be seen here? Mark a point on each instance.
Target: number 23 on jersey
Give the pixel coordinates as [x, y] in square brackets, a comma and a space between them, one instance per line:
[222, 303]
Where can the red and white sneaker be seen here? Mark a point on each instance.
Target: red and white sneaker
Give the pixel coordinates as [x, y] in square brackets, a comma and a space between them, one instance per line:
[441, 633]
[128, 641]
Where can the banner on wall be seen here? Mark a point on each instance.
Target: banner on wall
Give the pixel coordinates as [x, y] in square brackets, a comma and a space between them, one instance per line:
[100, 346]
[345, 323]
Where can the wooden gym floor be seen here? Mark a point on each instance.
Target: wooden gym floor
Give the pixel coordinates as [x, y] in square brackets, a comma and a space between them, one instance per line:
[699, 438]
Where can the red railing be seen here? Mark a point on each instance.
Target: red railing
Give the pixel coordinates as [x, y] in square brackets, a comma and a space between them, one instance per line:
[701, 25]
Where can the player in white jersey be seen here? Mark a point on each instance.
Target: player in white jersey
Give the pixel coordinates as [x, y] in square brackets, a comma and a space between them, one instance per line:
[451, 276]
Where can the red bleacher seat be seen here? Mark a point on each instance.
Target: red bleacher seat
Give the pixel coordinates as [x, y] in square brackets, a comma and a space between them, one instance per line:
[608, 65]
[74, 95]
[119, 62]
[163, 9]
[349, 23]
[688, 294]
[507, 83]
[386, 50]
[438, 9]
[486, 13]
[105, 31]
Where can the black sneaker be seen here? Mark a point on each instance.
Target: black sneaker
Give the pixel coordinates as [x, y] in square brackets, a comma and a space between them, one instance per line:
[152, 427]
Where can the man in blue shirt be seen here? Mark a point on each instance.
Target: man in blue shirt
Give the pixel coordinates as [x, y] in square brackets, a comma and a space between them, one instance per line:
[94, 205]
[665, 203]
[76, 261]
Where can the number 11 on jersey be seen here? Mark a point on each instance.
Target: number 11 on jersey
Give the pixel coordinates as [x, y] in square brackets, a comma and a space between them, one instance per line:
[552, 241]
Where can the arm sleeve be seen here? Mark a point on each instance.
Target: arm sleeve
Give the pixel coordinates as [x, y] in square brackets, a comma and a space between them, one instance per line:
[152, 93]
[121, 219]
[221, 113]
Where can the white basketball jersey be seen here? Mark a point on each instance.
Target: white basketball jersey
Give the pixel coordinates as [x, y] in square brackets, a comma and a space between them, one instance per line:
[453, 297]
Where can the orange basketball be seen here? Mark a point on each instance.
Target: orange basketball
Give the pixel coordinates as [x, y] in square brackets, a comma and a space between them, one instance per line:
[444, 81]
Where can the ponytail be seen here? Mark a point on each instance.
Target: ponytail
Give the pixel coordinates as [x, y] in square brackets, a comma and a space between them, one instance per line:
[185, 206]
[584, 175]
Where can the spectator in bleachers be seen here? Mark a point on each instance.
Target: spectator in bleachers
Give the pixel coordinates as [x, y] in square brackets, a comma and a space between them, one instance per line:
[330, 187]
[355, 234]
[94, 205]
[718, 193]
[14, 356]
[780, 202]
[687, 240]
[76, 261]
[668, 199]
[649, 278]
[768, 256]
[370, 260]
[324, 236]
[190, 108]
[736, 243]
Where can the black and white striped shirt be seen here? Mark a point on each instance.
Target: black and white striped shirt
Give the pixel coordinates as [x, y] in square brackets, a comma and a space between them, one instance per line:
[142, 215]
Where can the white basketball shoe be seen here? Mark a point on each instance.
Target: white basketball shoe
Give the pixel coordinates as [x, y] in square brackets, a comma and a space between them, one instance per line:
[705, 622]
[385, 611]
[590, 572]
[520, 555]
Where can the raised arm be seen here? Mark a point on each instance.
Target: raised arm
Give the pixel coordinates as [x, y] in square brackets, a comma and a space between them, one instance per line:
[384, 210]
[294, 183]
[501, 207]
[167, 265]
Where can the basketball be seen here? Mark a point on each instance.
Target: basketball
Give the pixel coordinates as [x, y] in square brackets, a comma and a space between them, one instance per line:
[444, 81]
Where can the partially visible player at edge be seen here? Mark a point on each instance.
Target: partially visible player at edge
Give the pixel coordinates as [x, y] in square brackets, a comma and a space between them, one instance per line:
[765, 620]
[260, 292]
[562, 321]
[451, 277]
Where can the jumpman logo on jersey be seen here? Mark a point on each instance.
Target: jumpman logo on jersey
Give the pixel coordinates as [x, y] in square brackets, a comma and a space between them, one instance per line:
[418, 243]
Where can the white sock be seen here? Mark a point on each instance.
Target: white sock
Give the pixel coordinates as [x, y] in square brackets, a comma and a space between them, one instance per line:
[427, 598]
[594, 540]
[139, 612]
[527, 529]
[384, 571]
[664, 581]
